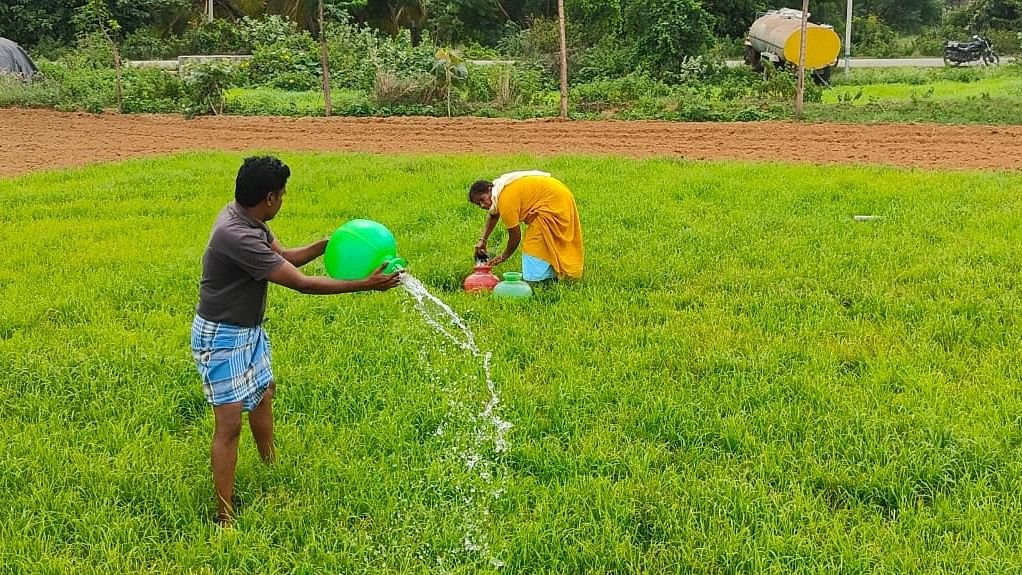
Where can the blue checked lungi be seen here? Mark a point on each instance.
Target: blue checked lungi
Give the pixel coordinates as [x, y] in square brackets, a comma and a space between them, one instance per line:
[233, 361]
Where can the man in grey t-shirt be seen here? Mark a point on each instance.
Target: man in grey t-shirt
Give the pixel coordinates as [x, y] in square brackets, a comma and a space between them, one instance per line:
[230, 348]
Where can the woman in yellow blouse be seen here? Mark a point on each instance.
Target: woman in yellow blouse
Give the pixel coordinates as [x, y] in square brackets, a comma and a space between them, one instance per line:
[553, 238]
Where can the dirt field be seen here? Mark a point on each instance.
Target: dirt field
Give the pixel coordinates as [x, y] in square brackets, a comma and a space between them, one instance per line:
[40, 139]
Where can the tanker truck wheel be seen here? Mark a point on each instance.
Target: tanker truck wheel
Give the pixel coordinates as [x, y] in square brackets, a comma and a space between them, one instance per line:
[753, 58]
[822, 76]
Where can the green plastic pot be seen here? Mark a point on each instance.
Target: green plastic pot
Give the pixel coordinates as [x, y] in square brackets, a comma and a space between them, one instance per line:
[512, 287]
[357, 248]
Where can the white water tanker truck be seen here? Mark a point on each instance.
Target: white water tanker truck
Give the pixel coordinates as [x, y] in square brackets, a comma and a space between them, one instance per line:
[776, 37]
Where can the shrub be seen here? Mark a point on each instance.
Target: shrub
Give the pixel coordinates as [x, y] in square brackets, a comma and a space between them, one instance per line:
[599, 95]
[205, 84]
[872, 37]
[216, 37]
[81, 86]
[92, 52]
[266, 31]
[476, 51]
[782, 84]
[540, 44]
[393, 90]
[690, 106]
[611, 57]
[397, 55]
[738, 84]
[145, 44]
[1005, 41]
[350, 48]
[483, 82]
[506, 85]
[755, 115]
[272, 102]
[152, 91]
[40, 92]
[664, 33]
[292, 64]
[49, 48]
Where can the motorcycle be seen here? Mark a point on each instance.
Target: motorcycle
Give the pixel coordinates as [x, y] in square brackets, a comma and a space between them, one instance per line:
[975, 49]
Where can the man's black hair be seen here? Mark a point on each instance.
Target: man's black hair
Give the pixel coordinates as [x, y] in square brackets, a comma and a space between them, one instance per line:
[258, 177]
[479, 187]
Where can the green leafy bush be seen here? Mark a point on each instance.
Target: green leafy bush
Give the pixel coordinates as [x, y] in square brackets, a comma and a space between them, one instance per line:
[148, 90]
[665, 33]
[782, 84]
[506, 86]
[271, 102]
[738, 83]
[393, 90]
[483, 82]
[146, 44]
[82, 88]
[397, 55]
[599, 95]
[51, 49]
[205, 84]
[350, 48]
[1005, 41]
[217, 37]
[266, 31]
[540, 43]
[92, 52]
[611, 57]
[291, 64]
[39, 93]
[872, 37]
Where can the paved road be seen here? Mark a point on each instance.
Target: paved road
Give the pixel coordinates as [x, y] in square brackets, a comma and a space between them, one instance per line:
[886, 63]
[856, 62]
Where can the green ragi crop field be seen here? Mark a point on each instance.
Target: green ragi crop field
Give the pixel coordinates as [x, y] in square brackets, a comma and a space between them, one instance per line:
[747, 380]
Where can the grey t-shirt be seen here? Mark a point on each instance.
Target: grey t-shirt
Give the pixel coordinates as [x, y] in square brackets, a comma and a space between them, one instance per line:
[238, 258]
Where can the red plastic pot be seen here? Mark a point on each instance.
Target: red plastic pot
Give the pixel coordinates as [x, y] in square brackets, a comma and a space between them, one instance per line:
[482, 279]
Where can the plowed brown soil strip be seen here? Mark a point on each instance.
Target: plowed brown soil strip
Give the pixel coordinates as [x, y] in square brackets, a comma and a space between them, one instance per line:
[41, 139]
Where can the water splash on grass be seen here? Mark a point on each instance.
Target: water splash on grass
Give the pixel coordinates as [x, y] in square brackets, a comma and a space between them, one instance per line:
[488, 432]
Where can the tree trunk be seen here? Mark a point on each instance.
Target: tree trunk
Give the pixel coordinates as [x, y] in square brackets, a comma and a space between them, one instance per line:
[324, 61]
[120, 80]
[117, 62]
[800, 91]
[564, 60]
[395, 18]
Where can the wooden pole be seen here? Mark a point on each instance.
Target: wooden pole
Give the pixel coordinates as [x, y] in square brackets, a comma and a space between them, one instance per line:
[117, 59]
[564, 60]
[800, 91]
[848, 37]
[324, 61]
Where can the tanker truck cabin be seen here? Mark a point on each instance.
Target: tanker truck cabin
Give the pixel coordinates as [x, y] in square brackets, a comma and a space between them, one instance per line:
[776, 36]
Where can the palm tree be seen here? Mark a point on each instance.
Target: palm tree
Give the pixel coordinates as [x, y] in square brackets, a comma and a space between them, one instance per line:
[392, 16]
[304, 12]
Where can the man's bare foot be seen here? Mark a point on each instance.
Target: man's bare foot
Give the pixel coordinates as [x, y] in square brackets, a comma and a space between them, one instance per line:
[225, 518]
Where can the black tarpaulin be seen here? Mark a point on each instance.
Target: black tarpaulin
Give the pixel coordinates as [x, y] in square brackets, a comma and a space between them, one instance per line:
[14, 60]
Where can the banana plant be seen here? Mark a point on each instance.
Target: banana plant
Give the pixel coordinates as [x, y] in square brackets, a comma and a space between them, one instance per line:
[450, 70]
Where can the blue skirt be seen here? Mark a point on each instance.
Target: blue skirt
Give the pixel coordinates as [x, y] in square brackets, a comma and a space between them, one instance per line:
[535, 269]
[233, 361]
